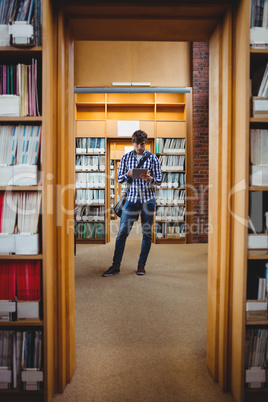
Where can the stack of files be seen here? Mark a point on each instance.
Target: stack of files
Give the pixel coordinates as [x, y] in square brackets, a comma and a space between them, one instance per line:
[23, 210]
[28, 279]
[174, 145]
[21, 359]
[263, 90]
[174, 197]
[175, 229]
[7, 290]
[259, 13]
[87, 213]
[90, 230]
[256, 310]
[259, 157]
[96, 145]
[259, 24]
[89, 162]
[256, 358]
[170, 213]
[173, 180]
[19, 153]
[18, 90]
[20, 286]
[172, 162]
[6, 358]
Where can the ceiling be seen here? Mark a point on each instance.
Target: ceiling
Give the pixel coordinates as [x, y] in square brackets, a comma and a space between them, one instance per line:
[191, 20]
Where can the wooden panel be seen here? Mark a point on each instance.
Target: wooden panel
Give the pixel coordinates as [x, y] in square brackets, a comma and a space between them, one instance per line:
[148, 127]
[101, 63]
[224, 229]
[49, 158]
[132, 98]
[111, 128]
[170, 113]
[239, 205]
[171, 129]
[96, 63]
[90, 128]
[130, 113]
[155, 68]
[214, 203]
[158, 29]
[88, 112]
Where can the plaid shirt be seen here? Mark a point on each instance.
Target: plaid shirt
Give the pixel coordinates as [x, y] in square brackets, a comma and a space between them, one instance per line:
[140, 190]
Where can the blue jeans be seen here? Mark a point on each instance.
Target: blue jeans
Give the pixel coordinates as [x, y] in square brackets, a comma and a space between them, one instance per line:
[130, 214]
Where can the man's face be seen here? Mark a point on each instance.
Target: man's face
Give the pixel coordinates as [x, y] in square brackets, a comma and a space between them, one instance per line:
[139, 148]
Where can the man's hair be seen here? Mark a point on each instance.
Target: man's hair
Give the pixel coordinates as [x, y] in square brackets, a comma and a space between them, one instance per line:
[139, 136]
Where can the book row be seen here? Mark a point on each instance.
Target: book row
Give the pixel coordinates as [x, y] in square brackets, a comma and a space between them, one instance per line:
[259, 146]
[87, 162]
[169, 145]
[90, 145]
[18, 90]
[89, 230]
[263, 90]
[90, 180]
[20, 144]
[20, 22]
[88, 197]
[19, 212]
[21, 359]
[20, 280]
[259, 13]
[174, 180]
[170, 229]
[86, 213]
[170, 196]
[257, 284]
[170, 213]
[256, 348]
[172, 162]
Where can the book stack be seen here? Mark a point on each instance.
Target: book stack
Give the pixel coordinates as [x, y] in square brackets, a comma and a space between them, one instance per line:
[170, 145]
[20, 290]
[90, 145]
[18, 90]
[89, 230]
[259, 157]
[170, 230]
[20, 20]
[19, 153]
[21, 359]
[259, 24]
[19, 219]
[256, 357]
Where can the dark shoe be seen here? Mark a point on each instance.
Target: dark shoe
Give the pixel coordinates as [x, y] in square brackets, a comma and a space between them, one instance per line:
[111, 271]
[140, 270]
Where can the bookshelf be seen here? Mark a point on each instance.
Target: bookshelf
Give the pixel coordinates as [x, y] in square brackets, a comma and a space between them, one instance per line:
[163, 117]
[19, 324]
[90, 166]
[256, 319]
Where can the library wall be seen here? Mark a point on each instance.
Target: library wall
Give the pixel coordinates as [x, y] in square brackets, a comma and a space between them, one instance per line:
[200, 83]
[96, 63]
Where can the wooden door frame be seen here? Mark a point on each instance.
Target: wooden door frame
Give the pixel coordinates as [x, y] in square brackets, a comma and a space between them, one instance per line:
[222, 281]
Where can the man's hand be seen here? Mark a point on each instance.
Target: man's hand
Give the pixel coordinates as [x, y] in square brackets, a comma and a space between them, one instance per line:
[146, 176]
[129, 173]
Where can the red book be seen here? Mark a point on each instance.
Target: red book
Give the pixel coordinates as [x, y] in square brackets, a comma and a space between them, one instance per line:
[2, 198]
[12, 280]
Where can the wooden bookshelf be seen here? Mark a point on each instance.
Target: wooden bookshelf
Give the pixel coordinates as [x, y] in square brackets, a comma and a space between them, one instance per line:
[161, 115]
[255, 258]
[46, 91]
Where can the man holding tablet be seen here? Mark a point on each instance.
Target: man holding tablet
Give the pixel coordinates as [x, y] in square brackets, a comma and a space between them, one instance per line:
[140, 199]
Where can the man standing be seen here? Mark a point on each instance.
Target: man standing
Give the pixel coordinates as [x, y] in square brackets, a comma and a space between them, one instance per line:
[140, 200]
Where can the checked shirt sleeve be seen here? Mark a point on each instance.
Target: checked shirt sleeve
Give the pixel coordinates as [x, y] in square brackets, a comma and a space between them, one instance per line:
[122, 171]
[156, 170]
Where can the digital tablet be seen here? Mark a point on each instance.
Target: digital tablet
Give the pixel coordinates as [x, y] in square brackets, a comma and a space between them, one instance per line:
[137, 172]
